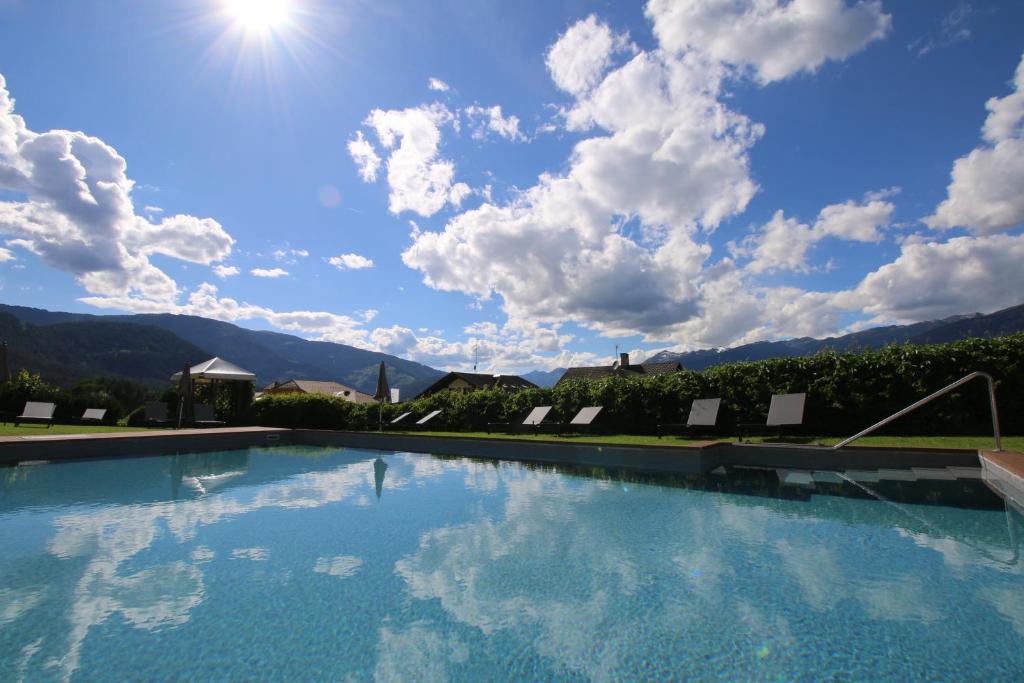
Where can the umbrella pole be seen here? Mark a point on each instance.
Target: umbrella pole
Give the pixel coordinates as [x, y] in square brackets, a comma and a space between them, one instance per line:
[380, 417]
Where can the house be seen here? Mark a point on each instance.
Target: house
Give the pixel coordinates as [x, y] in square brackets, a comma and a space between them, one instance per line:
[619, 368]
[309, 386]
[473, 381]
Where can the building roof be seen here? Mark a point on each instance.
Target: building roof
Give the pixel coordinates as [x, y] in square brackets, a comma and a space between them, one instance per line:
[217, 368]
[597, 372]
[479, 380]
[312, 386]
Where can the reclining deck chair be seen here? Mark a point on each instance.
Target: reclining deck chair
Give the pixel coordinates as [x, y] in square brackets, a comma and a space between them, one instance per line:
[205, 416]
[37, 412]
[93, 415]
[533, 421]
[785, 410]
[583, 420]
[703, 413]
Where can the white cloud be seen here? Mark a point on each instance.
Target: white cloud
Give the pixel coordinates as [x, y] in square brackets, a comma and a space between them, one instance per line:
[578, 60]
[931, 280]
[438, 84]
[490, 120]
[7, 255]
[782, 243]
[419, 180]
[77, 213]
[985, 192]
[363, 153]
[223, 271]
[775, 39]
[351, 261]
[268, 272]
[153, 209]
[673, 160]
[953, 28]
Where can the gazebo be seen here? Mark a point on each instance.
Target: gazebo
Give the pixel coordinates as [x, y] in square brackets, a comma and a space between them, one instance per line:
[218, 372]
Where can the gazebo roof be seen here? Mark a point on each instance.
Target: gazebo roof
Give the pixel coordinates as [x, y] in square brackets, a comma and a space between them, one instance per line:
[219, 369]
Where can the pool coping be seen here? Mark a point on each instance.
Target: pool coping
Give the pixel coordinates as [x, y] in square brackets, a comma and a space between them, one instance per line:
[1003, 471]
[693, 458]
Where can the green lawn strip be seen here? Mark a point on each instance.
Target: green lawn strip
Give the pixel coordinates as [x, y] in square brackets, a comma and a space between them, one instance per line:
[41, 430]
[1009, 442]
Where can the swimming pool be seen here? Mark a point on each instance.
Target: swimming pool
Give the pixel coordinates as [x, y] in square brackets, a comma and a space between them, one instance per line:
[312, 563]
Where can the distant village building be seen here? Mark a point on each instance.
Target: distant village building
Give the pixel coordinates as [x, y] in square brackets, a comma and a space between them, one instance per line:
[472, 381]
[309, 386]
[619, 368]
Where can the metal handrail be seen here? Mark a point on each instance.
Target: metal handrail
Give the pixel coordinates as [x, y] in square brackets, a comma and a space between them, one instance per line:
[931, 397]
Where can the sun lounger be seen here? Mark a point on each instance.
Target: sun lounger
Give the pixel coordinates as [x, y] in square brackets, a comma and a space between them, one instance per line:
[420, 423]
[533, 421]
[785, 410]
[583, 420]
[37, 412]
[703, 413]
[205, 416]
[93, 415]
[156, 413]
[400, 418]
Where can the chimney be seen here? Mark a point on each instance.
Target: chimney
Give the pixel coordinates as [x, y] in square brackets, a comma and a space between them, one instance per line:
[623, 360]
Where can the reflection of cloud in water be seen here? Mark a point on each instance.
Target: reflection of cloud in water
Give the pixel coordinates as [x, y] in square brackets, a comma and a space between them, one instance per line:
[416, 653]
[255, 554]
[17, 602]
[341, 566]
[163, 596]
[202, 554]
[1009, 602]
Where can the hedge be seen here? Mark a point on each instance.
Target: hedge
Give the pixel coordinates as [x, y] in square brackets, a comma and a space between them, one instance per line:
[845, 393]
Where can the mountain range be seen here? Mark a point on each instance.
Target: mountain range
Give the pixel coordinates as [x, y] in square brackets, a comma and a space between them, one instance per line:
[65, 347]
[1006, 321]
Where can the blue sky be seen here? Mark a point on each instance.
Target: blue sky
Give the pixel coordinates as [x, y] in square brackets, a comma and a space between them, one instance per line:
[537, 182]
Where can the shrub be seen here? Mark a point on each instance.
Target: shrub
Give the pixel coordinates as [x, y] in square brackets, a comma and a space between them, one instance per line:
[845, 393]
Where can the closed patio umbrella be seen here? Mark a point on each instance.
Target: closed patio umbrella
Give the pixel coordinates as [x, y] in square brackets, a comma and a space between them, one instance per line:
[185, 397]
[5, 369]
[382, 394]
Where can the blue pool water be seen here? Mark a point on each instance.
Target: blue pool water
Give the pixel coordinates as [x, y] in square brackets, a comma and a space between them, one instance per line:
[304, 563]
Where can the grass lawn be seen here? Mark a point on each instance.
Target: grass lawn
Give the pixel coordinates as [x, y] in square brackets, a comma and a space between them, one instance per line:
[1015, 443]
[41, 430]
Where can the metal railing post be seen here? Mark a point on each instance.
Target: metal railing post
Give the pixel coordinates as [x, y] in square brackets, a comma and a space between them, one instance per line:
[931, 397]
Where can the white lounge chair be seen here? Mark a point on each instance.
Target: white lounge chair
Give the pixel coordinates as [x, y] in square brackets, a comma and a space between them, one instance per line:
[93, 415]
[205, 416]
[427, 418]
[401, 417]
[584, 419]
[37, 412]
[703, 413]
[785, 409]
[534, 420]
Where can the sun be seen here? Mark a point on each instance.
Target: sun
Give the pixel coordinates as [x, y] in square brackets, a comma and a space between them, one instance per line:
[261, 16]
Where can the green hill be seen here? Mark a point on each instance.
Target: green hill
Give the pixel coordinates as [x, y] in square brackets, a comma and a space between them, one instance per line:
[271, 355]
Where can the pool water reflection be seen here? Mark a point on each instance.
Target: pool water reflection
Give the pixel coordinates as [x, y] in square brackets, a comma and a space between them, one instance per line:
[305, 563]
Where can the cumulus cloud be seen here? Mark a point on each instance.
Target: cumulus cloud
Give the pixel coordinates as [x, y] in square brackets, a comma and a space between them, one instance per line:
[418, 178]
[773, 38]
[578, 60]
[223, 271]
[985, 192]
[350, 261]
[365, 156]
[672, 158]
[782, 243]
[484, 120]
[438, 84]
[268, 272]
[76, 212]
